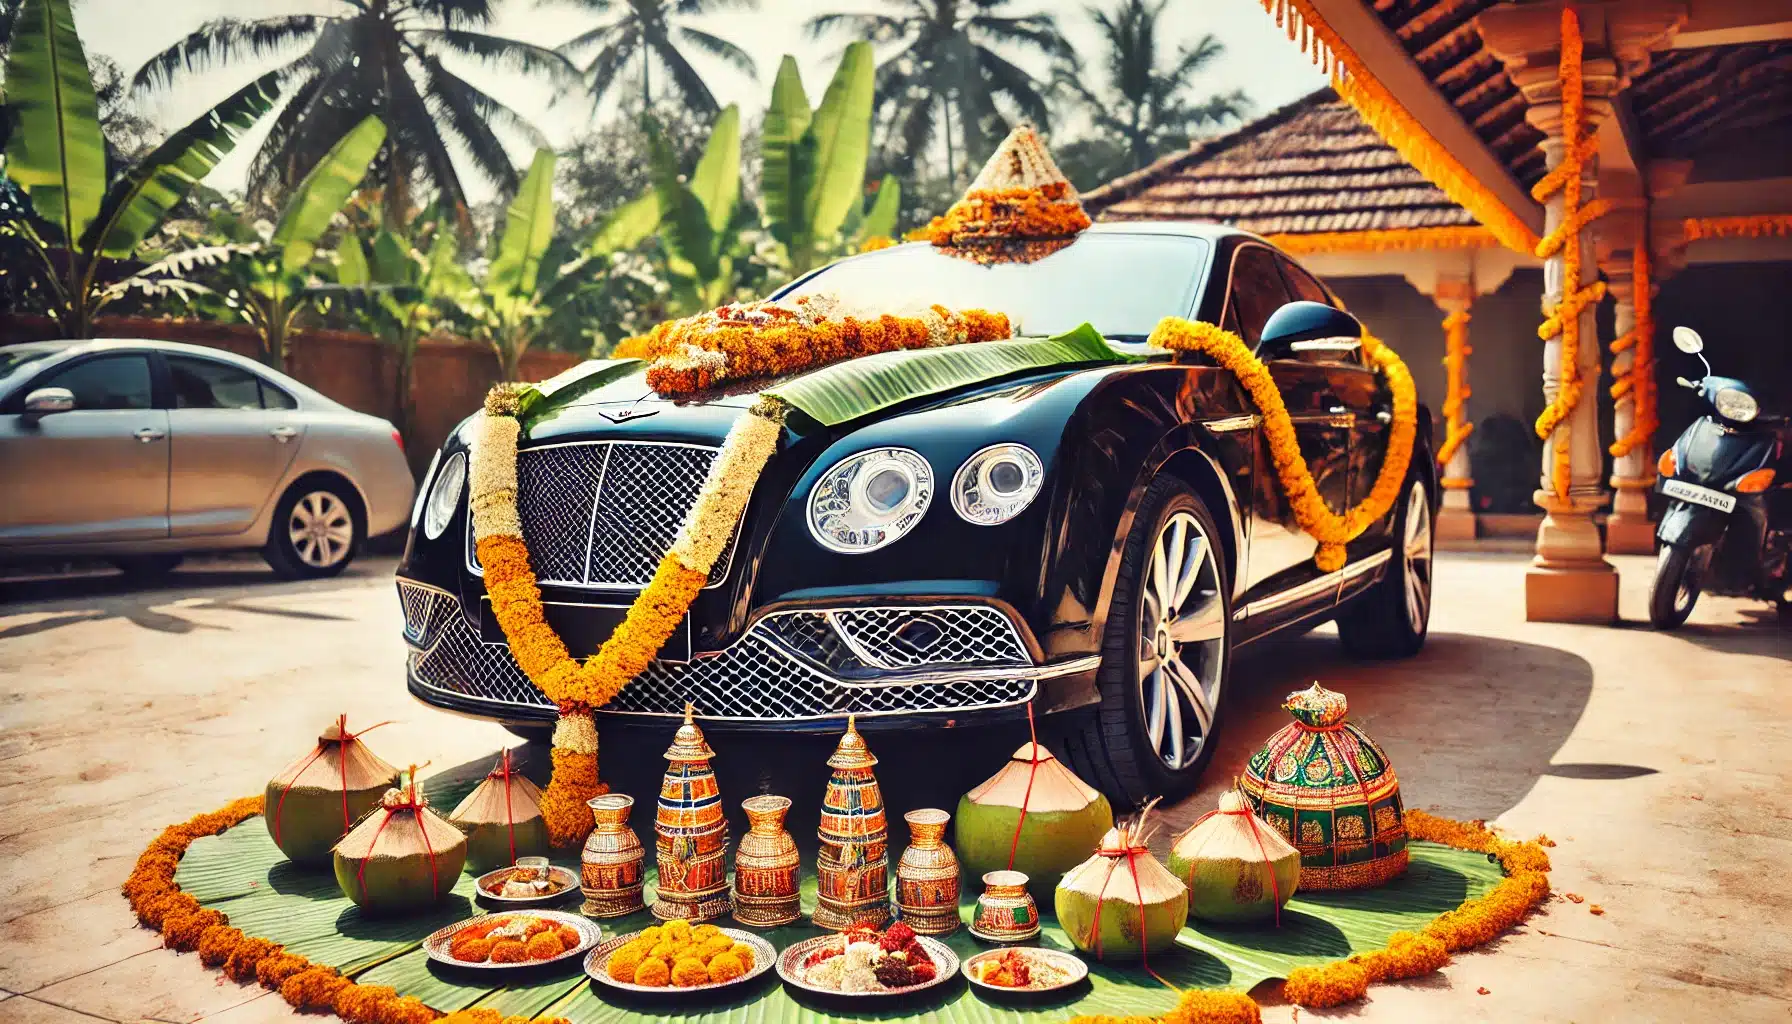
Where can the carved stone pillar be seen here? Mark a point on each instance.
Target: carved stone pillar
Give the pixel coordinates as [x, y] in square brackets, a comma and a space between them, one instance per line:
[1454, 295]
[1627, 530]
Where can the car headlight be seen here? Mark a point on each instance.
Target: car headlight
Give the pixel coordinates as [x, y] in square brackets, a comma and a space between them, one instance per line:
[996, 484]
[1736, 405]
[444, 495]
[869, 500]
[423, 492]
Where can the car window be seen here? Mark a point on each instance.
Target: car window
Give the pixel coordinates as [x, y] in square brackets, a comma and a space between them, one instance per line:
[274, 398]
[109, 382]
[1302, 284]
[1257, 290]
[208, 384]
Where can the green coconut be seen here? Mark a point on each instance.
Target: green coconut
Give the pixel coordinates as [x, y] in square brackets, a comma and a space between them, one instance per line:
[313, 802]
[402, 857]
[1101, 903]
[502, 820]
[1236, 867]
[1065, 818]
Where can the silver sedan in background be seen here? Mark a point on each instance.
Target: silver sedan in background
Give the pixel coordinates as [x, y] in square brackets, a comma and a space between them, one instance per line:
[142, 451]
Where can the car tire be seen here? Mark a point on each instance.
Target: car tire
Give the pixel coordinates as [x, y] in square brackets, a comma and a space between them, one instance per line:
[316, 531]
[1135, 744]
[146, 567]
[1392, 618]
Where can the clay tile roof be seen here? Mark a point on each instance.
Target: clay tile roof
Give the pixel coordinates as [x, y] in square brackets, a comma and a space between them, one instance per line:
[1312, 166]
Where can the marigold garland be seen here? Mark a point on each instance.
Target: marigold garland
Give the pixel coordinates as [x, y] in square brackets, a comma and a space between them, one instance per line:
[1472, 236]
[1382, 111]
[1639, 383]
[1564, 318]
[1047, 212]
[1456, 389]
[1330, 529]
[876, 242]
[1760, 225]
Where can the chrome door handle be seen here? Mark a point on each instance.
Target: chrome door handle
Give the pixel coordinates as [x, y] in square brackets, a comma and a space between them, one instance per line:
[148, 434]
[282, 434]
[1383, 416]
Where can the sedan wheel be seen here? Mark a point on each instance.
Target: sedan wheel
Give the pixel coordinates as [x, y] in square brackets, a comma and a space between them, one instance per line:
[1391, 618]
[316, 532]
[1165, 655]
[1182, 642]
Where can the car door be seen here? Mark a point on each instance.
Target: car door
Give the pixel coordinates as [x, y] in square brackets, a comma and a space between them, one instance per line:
[97, 472]
[1360, 390]
[232, 433]
[1281, 572]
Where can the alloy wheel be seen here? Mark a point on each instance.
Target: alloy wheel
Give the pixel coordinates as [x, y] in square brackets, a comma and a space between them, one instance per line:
[1416, 552]
[321, 529]
[1182, 641]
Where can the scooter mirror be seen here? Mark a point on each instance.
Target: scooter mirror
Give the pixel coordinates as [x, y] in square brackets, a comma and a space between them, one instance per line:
[1688, 341]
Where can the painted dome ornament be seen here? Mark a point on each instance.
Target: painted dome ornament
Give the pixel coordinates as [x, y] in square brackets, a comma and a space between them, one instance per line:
[852, 868]
[314, 801]
[1020, 209]
[502, 819]
[1328, 789]
[1059, 818]
[402, 857]
[691, 832]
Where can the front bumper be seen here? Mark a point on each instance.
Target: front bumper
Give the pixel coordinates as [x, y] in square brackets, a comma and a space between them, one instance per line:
[792, 669]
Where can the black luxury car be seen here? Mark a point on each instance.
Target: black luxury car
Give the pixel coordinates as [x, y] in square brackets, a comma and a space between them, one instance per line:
[1094, 541]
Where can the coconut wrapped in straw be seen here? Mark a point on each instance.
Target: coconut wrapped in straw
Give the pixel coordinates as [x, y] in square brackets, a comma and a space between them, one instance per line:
[402, 857]
[315, 800]
[502, 819]
[1236, 867]
[1058, 818]
[1122, 903]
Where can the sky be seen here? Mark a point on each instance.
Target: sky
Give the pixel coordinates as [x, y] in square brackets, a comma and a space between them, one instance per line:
[1259, 59]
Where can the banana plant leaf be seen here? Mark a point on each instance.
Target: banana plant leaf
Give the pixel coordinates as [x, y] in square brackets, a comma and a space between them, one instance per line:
[56, 152]
[627, 226]
[572, 382]
[315, 202]
[787, 153]
[859, 387]
[716, 180]
[880, 220]
[688, 236]
[352, 269]
[137, 203]
[842, 129]
[528, 228]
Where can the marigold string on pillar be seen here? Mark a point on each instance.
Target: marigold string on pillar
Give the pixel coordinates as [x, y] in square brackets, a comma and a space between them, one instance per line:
[1332, 531]
[1760, 225]
[1564, 317]
[1456, 391]
[1639, 383]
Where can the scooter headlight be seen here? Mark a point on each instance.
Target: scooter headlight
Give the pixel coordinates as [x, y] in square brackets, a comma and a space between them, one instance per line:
[1736, 405]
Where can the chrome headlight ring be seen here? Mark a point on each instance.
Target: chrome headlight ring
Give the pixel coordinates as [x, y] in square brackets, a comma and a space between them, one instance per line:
[444, 495]
[996, 484]
[870, 500]
[1735, 405]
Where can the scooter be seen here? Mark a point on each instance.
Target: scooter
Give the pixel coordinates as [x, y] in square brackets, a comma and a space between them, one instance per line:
[1728, 528]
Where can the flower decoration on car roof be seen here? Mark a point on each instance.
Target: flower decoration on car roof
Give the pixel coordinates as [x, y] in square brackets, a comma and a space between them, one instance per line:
[1021, 208]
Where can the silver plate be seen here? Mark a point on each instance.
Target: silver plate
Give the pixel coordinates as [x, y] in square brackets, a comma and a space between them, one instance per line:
[436, 946]
[1071, 964]
[945, 963]
[569, 880]
[763, 956]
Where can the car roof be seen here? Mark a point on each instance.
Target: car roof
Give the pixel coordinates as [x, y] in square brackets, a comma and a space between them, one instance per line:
[1184, 228]
[68, 349]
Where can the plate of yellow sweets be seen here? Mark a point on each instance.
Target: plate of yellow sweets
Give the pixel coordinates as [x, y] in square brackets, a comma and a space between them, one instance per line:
[512, 940]
[680, 956]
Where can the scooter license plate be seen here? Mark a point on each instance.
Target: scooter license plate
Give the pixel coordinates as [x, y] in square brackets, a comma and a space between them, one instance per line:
[1699, 495]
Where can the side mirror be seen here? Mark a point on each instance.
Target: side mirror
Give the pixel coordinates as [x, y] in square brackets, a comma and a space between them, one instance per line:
[1308, 327]
[44, 401]
[1688, 341]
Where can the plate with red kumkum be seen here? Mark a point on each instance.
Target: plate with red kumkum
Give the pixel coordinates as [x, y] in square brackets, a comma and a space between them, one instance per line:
[868, 963]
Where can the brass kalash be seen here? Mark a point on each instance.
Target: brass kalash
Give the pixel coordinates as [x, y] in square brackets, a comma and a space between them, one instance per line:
[691, 832]
[852, 869]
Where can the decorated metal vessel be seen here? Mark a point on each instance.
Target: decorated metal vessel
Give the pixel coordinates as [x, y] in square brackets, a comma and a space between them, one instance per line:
[1329, 790]
[852, 868]
[691, 832]
[927, 875]
[611, 865]
[766, 866]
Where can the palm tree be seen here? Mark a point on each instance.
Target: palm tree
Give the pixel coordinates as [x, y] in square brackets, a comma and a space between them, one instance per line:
[646, 31]
[382, 58]
[1147, 109]
[950, 70]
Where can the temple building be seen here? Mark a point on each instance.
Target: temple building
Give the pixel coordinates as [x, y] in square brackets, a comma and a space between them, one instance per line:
[1431, 191]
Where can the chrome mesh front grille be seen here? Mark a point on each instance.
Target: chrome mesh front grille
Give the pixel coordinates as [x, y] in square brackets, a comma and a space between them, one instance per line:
[779, 671]
[603, 513]
[912, 637]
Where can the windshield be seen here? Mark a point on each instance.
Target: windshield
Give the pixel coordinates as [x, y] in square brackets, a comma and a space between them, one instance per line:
[1120, 284]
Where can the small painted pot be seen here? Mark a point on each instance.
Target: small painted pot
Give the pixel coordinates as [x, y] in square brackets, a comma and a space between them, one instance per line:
[610, 866]
[1006, 911]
